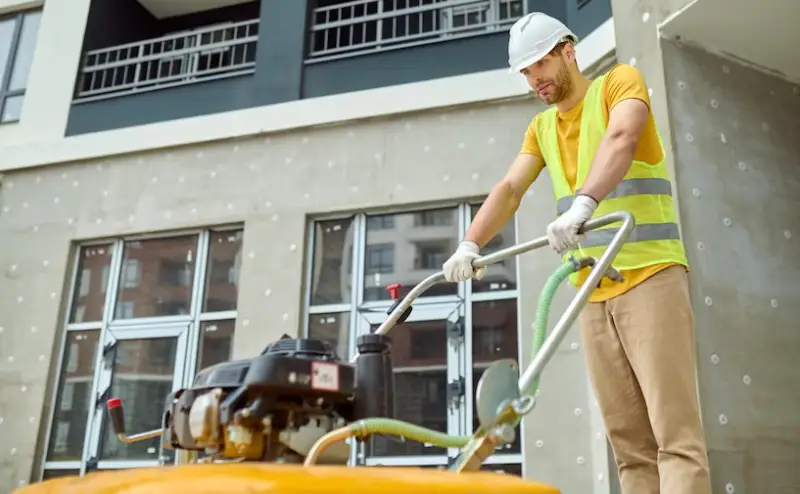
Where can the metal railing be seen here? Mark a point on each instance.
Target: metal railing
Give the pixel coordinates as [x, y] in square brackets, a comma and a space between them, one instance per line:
[363, 26]
[184, 58]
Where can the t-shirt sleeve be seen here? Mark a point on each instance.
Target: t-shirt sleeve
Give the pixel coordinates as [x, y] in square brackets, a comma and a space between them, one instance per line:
[624, 82]
[530, 144]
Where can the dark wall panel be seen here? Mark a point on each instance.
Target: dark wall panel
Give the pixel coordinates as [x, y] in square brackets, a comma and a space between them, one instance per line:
[420, 63]
[165, 104]
[116, 22]
[584, 16]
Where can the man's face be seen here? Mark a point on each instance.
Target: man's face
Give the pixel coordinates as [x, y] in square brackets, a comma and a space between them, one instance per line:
[550, 77]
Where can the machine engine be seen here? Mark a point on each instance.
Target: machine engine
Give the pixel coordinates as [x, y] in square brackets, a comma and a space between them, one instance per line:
[274, 407]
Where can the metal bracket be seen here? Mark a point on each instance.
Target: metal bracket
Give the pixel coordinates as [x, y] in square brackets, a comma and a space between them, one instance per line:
[456, 331]
[91, 463]
[455, 391]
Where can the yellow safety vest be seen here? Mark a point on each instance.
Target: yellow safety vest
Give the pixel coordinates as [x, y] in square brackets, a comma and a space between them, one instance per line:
[645, 192]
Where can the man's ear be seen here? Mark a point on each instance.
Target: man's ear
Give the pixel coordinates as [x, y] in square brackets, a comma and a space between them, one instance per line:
[569, 52]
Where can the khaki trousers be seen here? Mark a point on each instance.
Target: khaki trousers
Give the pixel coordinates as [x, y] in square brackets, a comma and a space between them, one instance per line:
[640, 349]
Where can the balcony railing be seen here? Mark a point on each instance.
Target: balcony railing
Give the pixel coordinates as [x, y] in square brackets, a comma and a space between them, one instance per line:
[364, 26]
[184, 58]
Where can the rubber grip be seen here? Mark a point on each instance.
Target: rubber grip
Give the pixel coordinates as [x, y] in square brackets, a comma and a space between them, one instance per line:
[117, 415]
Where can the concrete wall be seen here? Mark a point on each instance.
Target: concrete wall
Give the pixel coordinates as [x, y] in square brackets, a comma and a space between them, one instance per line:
[272, 184]
[737, 143]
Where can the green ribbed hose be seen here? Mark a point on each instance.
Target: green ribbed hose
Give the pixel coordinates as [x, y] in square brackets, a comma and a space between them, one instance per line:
[424, 435]
[543, 312]
[408, 431]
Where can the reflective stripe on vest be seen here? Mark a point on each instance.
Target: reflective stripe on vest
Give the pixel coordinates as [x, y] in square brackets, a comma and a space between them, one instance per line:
[626, 188]
[640, 233]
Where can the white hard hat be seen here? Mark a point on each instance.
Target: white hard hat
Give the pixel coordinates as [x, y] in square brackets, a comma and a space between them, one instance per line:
[534, 36]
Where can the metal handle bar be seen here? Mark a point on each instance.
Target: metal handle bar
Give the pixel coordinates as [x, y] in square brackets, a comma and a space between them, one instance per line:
[594, 278]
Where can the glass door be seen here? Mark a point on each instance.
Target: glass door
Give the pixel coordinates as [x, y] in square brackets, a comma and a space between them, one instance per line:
[141, 366]
[428, 376]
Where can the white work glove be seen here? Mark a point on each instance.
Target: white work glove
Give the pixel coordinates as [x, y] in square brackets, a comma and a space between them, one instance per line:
[563, 232]
[459, 267]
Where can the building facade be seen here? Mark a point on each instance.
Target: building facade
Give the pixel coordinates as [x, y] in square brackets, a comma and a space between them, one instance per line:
[184, 185]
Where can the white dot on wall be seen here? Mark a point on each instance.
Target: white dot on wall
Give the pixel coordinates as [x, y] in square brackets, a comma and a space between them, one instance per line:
[199, 154]
[539, 443]
[729, 488]
[34, 329]
[700, 246]
[427, 149]
[681, 85]
[1, 420]
[229, 206]
[285, 316]
[765, 126]
[723, 138]
[6, 209]
[56, 200]
[578, 412]
[41, 358]
[696, 192]
[354, 189]
[787, 234]
[154, 180]
[461, 145]
[723, 419]
[573, 346]
[689, 138]
[11, 359]
[646, 17]
[492, 140]
[709, 301]
[727, 221]
[632, 61]
[31, 420]
[600, 477]
[212, 174]
[24, 205]
[245, 323]
[650, 92]
[288, 160]
[194, 210]
[714, 358]
[23, 389]
[2, 329]
[267, 292]
[773, 303]
[331, 164]
[742, 165]
[251, 254]
[293, 247]
[20, 299]
[98, 220]
[236, 148]
[131, 218]
[306, 196]
[52, 295]
[746, 379]
[726, 69]
[714, 103]
[105, 193]
[35, 228]
[13, 267]
[181, 179]
[45, 263]
[13, 451]
[75, 183]
[64, 175]
[580, 460]
[475, 176]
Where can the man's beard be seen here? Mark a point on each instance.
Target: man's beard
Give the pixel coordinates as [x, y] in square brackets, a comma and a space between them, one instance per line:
[562, 87]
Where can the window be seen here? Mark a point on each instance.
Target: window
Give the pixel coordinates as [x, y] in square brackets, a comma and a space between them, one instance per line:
[172, 317]
[350, 264]
[18, 34]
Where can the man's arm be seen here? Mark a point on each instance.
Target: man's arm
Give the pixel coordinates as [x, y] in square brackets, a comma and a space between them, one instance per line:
[615, 153]
[504, 199]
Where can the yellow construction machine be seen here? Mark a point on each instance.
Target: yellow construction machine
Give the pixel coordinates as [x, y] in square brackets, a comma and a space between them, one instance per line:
[289, 420]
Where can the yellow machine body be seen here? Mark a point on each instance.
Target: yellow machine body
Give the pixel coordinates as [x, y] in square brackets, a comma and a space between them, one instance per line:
[258, 478]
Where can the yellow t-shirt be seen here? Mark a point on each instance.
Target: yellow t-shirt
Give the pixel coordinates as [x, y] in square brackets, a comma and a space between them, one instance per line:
[622, 82]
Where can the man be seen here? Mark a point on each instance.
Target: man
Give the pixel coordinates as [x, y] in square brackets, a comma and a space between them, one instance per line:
[603, 152]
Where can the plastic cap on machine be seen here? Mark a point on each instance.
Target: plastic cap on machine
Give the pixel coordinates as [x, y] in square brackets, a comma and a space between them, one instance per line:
[534, 36]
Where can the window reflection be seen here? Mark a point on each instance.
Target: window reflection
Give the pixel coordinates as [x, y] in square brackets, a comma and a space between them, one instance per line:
[333, 329]
[157, 277]
[89, 294]
[73, 399]
[413, 248]
[222, 271]
[333, 262]
[143, 372]
[216, 343]
[502, 275]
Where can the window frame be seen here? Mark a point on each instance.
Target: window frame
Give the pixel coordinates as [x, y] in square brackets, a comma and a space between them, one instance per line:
[188, 353]
[357, 308]
[13, 50]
